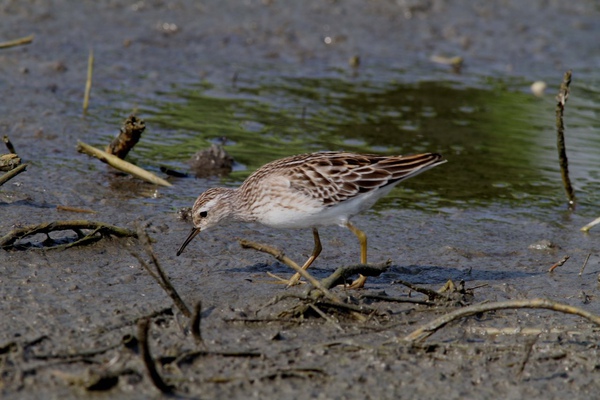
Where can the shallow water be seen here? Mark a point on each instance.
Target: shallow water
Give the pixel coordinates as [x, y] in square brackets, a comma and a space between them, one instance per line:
[499, 139]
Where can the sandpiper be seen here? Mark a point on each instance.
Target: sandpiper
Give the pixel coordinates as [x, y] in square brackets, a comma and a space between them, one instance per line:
[310, 191]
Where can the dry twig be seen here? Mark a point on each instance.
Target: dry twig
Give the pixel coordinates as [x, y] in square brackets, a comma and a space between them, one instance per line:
[558, 264]
[279, 256]
[584, 264]
[17, 42]
[75, 209]
[397, 299]
[88, 82]
[528, 350]
[430, 293]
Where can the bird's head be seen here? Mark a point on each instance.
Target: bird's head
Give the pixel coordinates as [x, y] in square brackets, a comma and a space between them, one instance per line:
[210, 208]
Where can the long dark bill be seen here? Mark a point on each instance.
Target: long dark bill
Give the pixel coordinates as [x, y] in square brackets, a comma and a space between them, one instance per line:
[192, 235]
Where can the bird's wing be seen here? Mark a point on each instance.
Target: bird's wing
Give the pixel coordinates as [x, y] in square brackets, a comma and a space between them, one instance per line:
[335, 177]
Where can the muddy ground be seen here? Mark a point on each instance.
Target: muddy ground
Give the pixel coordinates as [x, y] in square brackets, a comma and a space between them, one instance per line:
[69, 316]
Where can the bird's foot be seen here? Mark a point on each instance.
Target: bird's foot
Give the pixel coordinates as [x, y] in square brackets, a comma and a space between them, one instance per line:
[293, 281]
[358, 283]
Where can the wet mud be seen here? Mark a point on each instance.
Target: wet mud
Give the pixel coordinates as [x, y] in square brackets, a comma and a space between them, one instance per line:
[70, 318]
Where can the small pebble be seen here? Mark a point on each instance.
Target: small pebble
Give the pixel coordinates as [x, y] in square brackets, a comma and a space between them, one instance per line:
[538, 88]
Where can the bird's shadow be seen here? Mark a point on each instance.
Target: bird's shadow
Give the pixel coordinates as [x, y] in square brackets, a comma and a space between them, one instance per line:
[434, 274]
[416, 274]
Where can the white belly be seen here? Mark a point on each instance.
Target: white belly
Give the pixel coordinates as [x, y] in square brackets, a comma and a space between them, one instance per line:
[307, 213]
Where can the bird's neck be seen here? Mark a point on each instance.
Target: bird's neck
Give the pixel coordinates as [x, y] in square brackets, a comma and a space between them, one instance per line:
[241, 206]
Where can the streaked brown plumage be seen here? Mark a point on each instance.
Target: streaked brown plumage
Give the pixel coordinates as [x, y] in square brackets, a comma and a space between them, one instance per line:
[310, 191]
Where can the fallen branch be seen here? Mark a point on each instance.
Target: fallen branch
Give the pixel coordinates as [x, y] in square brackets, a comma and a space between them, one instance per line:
[561, 98]
[430, 293]
[143, 327]
[12, 173]
[320, 288]
[431, 327]
[8, 241]
[121, 165]
[189, 357]
[161, 277]
[17, 42]
[517, 330]
[342, 273]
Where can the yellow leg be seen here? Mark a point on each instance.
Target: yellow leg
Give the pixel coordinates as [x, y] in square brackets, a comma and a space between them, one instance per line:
[295, 279]
[362, 238]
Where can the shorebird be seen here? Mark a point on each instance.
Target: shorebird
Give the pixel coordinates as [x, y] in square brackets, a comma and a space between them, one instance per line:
[310, 191]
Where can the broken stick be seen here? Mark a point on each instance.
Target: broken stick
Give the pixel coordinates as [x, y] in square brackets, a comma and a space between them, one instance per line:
[121, 165]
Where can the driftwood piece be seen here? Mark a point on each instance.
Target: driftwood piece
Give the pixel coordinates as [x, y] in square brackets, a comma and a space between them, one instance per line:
[121, 165]
[128, 136]
[12, 173]
[431, 327]
[561, 101]
[8, 241]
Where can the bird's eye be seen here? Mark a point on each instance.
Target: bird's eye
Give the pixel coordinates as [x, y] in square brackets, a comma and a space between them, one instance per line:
[203, 214]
